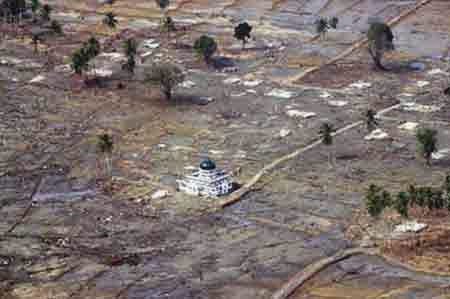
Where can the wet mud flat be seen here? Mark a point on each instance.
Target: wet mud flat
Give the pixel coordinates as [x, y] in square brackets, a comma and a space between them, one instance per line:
[78, 241]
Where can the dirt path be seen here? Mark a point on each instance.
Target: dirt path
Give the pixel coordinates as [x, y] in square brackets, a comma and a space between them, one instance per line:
[237, 196]
[303, 276]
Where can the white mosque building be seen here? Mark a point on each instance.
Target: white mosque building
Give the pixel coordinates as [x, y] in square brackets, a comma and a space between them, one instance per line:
[206, 181]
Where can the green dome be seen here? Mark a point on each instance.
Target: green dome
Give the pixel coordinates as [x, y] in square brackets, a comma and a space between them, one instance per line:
[207, 165]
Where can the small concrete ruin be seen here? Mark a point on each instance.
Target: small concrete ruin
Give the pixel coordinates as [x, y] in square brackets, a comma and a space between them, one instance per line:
[206, 181]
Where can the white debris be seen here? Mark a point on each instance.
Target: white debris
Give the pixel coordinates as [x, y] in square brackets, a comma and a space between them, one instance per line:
[280, 93]
[216, 152]
[337, 103]
[252, 83]
[285, 132]
[113, 56]
[160, 194]
[63, 68]
[187, 84]
[231, 80]
[410, 226]
[360, 85]
[190, 167]
[422, 83]
[148, 53]
[100, 72]
[162, 145]
[150, 43]
[14, 79]
[251, 91]
[240, 154]
[377, 134]
[325, 95]
[298, 113]
[436, 72]
[411, 106]
[443, 153]
[237, 95]
[37, 79]
[408, 126]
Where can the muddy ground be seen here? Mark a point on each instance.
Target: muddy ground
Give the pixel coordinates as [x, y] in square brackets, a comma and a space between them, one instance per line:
[74, 239]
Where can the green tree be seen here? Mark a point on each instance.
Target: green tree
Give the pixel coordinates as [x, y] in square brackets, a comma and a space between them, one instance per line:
[110, 20]
[35, 5]
[326, 134]
[242, 33]
[205, 46]
[92, 47]
[162, 4]
[36, 39]
[401, 204]
[427, 143]
[80, 61]
[166, 76]
[130, 48]
[377, 200]
[371, 121]
[322, 27]
[45, 12]
[333, 22]
[380, 38]
[56, 27]
[105, 146]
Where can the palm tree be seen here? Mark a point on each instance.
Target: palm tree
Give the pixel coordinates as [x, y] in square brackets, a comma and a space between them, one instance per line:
[35, 5]
[380, 38]
[130, 47]
[169, 26]
[45, 12]
[35, 40]
[92, 47]
[242, 32]
[105, 146]
[427, 141]
[79, 61]
[371, 121]
[322, 27]
[110, 20]
[326, 134]
[56, 27]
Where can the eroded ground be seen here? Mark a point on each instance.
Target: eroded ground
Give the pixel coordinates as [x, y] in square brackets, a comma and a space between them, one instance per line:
[77, 241]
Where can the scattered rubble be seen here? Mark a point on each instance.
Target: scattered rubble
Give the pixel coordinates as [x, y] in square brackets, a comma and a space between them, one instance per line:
[231, 80]
[298, 113]
[410, 226]
[37, 79]
[160, 194]
[408, 126]
[441, 154]
[284, 133]
[150, 44]
[360, 85]
[337, 103]
[187, 84]
[423, 83]
[252, 83]
[411, 106]
[377, 134]
[280, 93]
